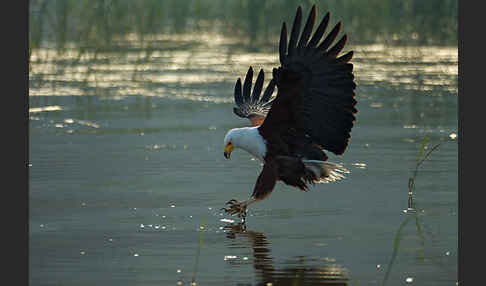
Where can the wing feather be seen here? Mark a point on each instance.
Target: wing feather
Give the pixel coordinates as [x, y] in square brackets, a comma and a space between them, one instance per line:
[247, 84]
[330, 38]
[307, 29]
[334, 51]
[344, 59]
[325, 109]
[257, 89]
[294, 35]
[283, 44]
[267, 94]
[254, 107]
[238, 96]
[319, 32]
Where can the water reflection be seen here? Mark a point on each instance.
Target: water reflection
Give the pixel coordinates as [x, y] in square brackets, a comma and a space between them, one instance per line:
[300, 270]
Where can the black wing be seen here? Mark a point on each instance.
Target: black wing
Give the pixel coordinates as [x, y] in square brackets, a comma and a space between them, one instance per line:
[327, 106]
[251, 106]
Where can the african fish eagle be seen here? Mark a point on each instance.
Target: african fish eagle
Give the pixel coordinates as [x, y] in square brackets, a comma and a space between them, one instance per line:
[314, 110]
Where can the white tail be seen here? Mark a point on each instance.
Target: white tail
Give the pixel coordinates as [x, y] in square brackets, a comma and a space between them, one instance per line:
[325, 171]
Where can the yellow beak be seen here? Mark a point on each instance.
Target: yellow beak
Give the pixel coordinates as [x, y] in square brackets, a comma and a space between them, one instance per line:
[227, 150]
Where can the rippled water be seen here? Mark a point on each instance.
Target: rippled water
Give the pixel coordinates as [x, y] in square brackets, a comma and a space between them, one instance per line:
[127, 174]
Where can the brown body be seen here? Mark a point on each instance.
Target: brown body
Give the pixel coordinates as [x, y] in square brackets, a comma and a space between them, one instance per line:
[286, 143]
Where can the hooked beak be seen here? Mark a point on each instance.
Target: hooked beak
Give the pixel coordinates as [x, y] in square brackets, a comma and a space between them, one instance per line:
[227, 150]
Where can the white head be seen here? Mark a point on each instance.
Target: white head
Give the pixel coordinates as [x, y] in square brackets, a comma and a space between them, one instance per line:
[246, 138]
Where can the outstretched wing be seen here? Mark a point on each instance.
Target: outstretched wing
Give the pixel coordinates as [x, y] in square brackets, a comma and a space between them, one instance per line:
[324, 82]
[249, 104]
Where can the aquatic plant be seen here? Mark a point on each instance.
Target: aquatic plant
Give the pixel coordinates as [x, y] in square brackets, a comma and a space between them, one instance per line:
[420, 160]
[201, 231]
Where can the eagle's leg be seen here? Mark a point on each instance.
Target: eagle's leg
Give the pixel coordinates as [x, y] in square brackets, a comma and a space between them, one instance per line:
[265, 183]
[238, 208]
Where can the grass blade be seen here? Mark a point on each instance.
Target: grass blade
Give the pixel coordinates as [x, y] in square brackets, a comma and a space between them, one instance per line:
[198, 251]
[396, 246]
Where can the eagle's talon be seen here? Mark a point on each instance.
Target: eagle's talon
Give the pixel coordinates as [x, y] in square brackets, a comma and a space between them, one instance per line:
[232, 202]
[236, 207]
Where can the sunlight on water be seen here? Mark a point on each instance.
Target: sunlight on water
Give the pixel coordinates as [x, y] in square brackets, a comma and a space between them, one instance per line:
[45, 108]
[182, 74]
[414, 68]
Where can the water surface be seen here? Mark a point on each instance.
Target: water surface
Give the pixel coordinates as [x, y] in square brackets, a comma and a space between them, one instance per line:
[127, 174]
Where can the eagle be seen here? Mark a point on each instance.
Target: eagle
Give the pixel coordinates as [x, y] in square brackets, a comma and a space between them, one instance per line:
[313, 110]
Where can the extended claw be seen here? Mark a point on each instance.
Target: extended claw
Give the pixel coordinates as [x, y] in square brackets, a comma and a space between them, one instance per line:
[231, 202]
[236, 207]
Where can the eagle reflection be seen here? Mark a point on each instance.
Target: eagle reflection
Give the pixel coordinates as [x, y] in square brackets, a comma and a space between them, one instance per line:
[299, 273]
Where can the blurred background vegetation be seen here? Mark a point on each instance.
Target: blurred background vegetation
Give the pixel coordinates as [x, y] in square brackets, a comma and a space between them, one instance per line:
[102, 25]
[115, 47]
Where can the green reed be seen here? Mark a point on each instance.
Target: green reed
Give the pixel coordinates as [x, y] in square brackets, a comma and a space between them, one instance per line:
[198, 254]
[410, 210]
[420, 160]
